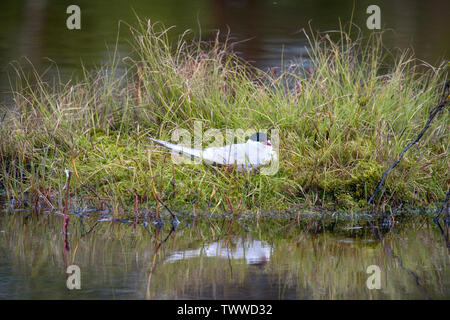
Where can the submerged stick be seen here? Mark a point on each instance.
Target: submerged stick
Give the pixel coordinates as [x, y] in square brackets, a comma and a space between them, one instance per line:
[445, 234]
[136, 202]
[66, 204]
[153, 264]
[167, 208]
[136, 199]
[155, 192]
[65, 224]
[442, 103]
[174, 182]
[444, 205]
[399, 261]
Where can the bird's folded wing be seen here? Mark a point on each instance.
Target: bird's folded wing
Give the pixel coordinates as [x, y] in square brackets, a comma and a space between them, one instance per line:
[218, 155]
[243, 155]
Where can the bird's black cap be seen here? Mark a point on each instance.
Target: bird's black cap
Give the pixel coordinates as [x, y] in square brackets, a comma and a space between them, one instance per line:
[259, 137]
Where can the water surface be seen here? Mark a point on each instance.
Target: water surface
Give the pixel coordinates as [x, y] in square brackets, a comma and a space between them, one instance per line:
[204, 259]
[266, 31]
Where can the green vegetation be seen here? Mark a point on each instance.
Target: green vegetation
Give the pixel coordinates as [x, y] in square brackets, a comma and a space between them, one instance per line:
[340, 126]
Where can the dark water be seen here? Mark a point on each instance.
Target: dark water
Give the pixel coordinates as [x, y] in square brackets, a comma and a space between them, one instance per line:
[272, 258]
[36, 29]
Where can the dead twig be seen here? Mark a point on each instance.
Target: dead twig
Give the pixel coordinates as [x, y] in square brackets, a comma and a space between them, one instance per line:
[444, 205]
[442, 103]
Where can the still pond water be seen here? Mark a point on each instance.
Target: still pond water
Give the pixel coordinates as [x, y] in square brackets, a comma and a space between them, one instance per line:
[207, 258]
[266, 32]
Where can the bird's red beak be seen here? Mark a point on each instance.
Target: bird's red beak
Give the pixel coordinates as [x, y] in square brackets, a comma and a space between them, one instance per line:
[267, 143]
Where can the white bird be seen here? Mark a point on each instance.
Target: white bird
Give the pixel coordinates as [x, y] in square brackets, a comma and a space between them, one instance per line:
[253, 251]
[257, 151]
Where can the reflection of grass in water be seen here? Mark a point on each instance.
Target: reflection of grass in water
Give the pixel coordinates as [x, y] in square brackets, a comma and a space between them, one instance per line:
[339, 127]
[338, 270]
[302, 265]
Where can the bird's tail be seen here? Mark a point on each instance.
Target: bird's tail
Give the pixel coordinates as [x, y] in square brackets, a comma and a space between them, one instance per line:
[179, 149]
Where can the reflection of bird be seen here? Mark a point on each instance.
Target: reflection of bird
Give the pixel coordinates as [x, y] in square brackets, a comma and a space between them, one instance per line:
[255, 152]
[254, 252]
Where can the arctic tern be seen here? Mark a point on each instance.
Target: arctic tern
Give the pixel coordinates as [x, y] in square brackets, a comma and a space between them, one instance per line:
[257, 151]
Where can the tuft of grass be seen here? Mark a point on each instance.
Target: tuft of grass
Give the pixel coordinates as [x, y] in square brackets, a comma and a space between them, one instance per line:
[342, 121]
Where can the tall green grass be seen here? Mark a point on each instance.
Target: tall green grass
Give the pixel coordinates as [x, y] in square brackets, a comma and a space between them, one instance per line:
[341, 124]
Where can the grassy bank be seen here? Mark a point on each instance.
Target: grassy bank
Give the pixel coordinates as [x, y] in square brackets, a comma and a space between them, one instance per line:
[341, 124]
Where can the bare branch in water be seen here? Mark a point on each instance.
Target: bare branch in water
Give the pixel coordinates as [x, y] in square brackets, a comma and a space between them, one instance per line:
[442, 103]
[444, 205]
